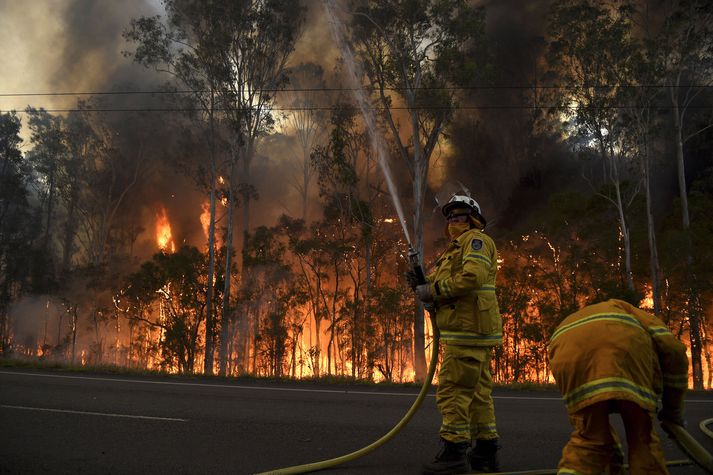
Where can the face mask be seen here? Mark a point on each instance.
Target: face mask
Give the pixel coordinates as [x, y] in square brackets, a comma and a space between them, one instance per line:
[456, 229]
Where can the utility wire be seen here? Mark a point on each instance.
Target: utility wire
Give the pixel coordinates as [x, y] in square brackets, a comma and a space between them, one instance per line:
[332, 108]
[347, 89]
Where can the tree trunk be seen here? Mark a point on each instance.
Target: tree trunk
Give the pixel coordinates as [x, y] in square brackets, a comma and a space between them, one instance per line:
[419, 339]
[305, 179]
[74, 332]
[619, 202]
[651, 228]
[244, 271]
[317, 358]
[69, 231]
[626, 237]
[246, 193]
[707, 352]
[255, 335]
[331, 349]
[4, 333]
[225, 323]
[50, 205]
[367, 303]
[97, 335]
[693, 314]
[209, 320]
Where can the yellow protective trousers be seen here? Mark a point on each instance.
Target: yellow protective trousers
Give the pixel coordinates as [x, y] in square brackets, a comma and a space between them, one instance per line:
[594, 447]
[464, 394]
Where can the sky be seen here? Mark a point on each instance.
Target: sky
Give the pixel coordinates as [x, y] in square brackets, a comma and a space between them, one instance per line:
[76, 46]
[64, 46]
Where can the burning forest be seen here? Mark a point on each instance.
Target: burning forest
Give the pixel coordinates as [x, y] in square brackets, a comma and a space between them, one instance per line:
[232, 188]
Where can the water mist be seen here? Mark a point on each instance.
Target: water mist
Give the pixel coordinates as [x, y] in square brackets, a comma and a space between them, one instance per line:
[355, 74]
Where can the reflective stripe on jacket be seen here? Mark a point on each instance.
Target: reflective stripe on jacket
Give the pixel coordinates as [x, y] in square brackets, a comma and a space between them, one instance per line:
[463, 283]
[613, 350]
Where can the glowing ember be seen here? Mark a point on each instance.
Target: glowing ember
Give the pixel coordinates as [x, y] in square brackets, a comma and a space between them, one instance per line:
[164, 237]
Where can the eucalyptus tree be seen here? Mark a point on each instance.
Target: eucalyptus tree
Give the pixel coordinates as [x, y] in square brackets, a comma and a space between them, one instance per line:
[591, 52]
[233, 55]
[16, 223]
[47, 156]
[640, 106]
[79, 144]
[190, 45]
[348, 216]
[701, 201]
[685, 45]
[175, 283]
[277, 296]
[414, 52]
[102, 177]
[305, 244]
[307, 122]
[261, 36]
[11, 167]
[685, 49]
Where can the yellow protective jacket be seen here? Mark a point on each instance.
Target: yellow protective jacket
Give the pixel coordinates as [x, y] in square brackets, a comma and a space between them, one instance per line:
[613, 350]
[463, 285]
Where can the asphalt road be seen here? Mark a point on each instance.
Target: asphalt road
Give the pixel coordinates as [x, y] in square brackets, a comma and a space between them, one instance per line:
[54, 422]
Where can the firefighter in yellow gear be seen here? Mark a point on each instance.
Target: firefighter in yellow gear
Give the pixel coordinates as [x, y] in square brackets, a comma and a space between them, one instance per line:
[461, 290]
[612, 357]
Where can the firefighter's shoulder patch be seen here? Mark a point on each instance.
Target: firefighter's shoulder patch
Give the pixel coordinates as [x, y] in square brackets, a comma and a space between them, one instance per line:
[476, 244]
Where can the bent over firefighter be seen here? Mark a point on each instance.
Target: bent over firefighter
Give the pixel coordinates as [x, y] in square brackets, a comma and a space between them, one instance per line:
[612, 357]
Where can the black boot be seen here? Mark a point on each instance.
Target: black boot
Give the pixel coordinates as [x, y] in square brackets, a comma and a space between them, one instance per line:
[484, 456]
[451, 459]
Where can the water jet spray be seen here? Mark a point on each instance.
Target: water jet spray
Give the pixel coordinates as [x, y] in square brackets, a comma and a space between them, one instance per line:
[377, 144]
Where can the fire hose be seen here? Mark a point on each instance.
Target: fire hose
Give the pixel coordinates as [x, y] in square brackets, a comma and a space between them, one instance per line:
[324, 464]
[689, 445]
[678, 433]
[685, 441]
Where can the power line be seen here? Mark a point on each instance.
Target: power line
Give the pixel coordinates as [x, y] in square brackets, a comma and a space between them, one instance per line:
[332, 108]
[347, 89]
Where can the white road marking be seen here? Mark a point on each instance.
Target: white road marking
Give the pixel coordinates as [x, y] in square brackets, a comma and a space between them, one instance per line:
[266, 388]
[87, 413]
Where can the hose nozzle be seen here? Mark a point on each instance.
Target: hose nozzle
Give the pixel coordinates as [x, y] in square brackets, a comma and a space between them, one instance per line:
[416, 265]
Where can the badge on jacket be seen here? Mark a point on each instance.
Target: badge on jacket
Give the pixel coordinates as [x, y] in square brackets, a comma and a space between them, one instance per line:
[476, 244]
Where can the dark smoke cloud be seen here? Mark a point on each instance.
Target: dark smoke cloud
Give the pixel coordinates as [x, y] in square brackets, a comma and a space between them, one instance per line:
[491, 152]
[91, 54]
[508, 170]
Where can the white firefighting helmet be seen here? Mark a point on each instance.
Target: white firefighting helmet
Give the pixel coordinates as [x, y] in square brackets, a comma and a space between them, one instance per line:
[461, 201]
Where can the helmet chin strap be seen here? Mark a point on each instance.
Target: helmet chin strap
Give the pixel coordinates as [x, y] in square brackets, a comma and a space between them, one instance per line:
[475, 222]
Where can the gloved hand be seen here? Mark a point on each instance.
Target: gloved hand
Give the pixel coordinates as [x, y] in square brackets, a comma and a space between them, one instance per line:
[411, 279]
[424, 293]
[672, 402]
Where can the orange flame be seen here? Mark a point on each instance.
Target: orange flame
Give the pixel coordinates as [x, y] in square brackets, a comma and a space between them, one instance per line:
[205, 224]
[164, 237]
[648, 301]
[205, 218]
